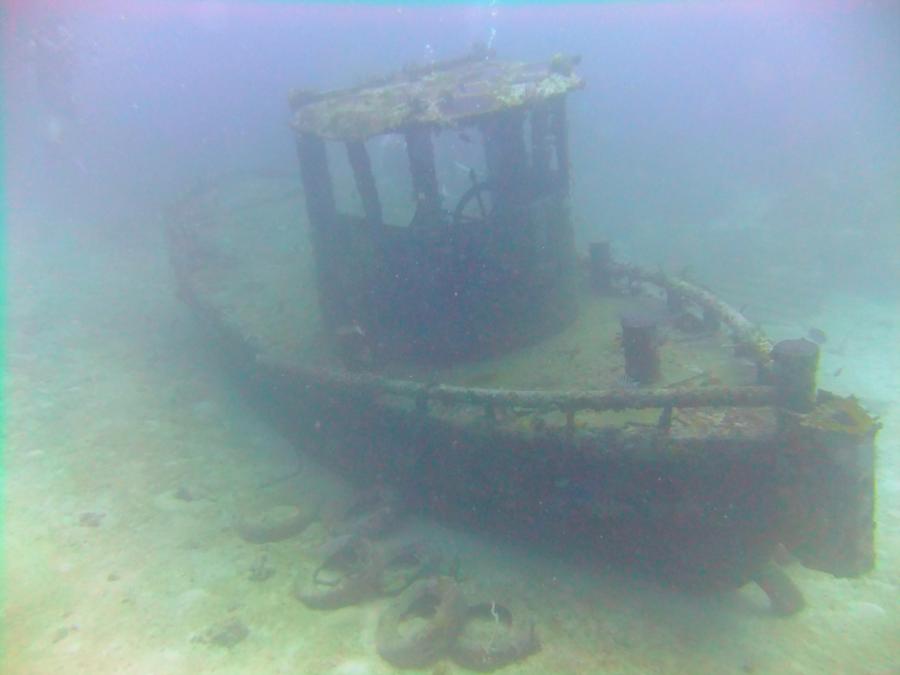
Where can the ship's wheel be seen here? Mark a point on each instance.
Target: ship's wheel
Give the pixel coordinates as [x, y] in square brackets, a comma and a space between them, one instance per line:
[476, 206]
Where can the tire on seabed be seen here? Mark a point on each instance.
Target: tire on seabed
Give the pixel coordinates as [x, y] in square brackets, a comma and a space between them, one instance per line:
[437, 606]
[406, 564]
[507, 643]
[371, 514]
[357, 565]
[275, 524]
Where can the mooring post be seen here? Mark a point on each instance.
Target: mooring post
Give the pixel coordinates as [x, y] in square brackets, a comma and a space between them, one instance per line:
[600, 265]
[640, 343]
[794, 370]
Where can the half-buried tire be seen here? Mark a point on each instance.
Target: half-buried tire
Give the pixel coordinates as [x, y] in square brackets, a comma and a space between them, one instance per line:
[350, 573]
[489, 640]
[421, 624]
[404, 565]
[275, 524]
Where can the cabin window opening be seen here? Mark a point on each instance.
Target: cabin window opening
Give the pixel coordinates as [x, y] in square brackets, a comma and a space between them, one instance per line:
[390, 165]
[346, 197]
[460, 161]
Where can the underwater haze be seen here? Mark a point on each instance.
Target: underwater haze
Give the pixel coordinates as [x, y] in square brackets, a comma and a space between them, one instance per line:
[186, 493]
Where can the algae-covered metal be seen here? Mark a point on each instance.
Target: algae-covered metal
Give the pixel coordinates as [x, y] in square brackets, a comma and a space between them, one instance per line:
[827, 478]
[445, 94]
[471, 273]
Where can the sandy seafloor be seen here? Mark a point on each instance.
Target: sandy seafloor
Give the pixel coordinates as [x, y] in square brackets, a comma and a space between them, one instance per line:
[114, 405]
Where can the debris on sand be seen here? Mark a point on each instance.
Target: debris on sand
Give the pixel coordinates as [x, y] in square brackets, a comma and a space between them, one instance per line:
[91, 519]
[225, 633]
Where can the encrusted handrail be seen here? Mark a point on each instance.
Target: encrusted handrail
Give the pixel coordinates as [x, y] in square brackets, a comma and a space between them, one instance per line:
[541, 401]
[747, 334]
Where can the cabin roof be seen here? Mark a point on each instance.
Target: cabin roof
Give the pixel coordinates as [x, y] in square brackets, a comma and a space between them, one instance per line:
[444, 94]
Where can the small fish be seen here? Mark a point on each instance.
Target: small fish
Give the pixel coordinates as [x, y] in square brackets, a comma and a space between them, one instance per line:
[464, 137]
[817, 335]
[838, 372]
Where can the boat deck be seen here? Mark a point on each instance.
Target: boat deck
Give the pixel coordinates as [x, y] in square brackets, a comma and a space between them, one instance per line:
[250, 258]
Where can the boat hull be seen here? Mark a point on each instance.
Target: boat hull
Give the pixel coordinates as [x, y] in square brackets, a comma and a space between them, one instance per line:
[700, 498]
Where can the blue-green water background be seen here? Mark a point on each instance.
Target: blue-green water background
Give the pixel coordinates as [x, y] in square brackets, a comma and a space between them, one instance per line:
[699, 122]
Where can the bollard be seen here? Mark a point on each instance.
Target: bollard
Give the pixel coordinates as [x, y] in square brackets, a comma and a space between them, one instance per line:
[794, 371]
[640, 343]
[601, 264]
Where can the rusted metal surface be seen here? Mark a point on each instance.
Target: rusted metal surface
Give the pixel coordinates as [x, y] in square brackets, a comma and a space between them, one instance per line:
[542, 401]
[701, 498]
[445, 94]
[699, 483]
[724, 422]
[749, 338]
[826, 476]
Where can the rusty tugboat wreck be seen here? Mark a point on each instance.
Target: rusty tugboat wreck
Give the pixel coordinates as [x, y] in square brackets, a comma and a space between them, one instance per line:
[471, 361]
